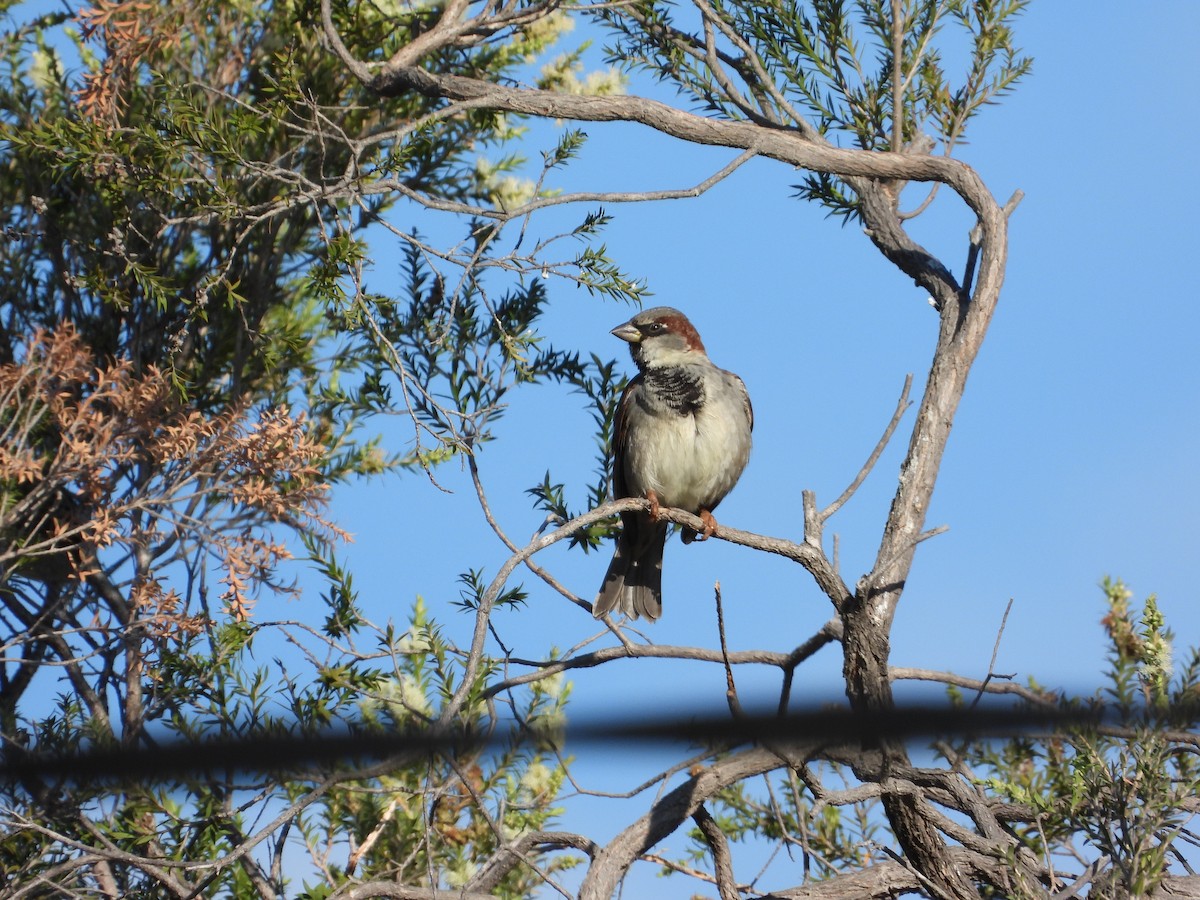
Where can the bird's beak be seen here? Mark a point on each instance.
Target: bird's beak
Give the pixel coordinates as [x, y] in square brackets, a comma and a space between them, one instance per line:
[628, 332]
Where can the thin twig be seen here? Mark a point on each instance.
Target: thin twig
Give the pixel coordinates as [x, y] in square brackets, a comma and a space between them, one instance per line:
[481, 496]
[829, 632]
[1088, 875]
[991, 672]
[930, 196]
[370, 839]
[897, 84]
[692, 872]
[902, 406]
[731, 695]
[905, 673]
[902, 550]
[550, 667]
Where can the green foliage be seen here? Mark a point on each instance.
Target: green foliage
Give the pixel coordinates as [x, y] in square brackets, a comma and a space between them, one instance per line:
[189, 184]
[568, 147]
[600, 383]
[441, 814]
[1124, 786]
[600, 275]
[451, 811]
[474, 586]
[204, 220]
[343, 618]
[456, 359]
[828, 65]
[139, 225]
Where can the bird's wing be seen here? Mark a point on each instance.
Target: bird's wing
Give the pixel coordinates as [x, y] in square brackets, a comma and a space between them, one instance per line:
[741, 386]
[620, 426]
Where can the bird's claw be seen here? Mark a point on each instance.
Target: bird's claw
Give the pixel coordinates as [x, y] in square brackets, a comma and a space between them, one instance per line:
[710, 525]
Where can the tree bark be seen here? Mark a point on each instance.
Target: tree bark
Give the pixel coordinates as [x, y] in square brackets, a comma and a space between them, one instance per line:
[665, 817]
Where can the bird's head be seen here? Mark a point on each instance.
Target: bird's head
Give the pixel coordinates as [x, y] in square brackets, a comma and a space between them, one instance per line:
[660, 336]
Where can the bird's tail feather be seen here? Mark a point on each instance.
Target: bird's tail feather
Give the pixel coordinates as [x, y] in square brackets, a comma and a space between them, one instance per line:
[633, 584]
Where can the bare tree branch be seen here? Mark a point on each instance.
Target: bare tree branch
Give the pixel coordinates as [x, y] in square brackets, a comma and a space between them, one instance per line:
[719, 845]
[490, 876]
[665, 816]
[902, 406]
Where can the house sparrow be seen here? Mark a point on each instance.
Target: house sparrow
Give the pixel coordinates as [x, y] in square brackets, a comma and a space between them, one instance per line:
[681, 439]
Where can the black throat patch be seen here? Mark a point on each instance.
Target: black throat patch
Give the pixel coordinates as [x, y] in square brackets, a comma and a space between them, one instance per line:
[677, 387]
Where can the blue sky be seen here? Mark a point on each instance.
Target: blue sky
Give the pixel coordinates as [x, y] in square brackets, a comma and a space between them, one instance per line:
[1074, 454]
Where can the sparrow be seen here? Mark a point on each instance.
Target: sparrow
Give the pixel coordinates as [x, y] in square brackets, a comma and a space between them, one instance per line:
[681, 439]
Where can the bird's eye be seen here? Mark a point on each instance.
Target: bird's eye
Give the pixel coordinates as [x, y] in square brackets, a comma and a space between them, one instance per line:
[655, 328]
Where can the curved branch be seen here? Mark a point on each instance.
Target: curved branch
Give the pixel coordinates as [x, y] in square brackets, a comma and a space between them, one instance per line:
[902, 406]
[433, 202]
[510, 856]
[667, 815]
[879, 882]
[809, 557]
[828, 633]
[722, 859]
[904, 673]
[369, 890]
[782, 144]
[358, 69]
[796, 146]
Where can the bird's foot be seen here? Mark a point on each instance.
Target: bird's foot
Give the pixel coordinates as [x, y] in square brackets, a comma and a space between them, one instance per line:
[655, 507]
[710, 525]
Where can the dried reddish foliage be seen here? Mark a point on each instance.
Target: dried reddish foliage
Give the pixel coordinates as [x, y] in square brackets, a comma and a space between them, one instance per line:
[129, 31]
[98, 463]
[132, 34]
